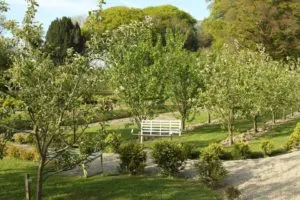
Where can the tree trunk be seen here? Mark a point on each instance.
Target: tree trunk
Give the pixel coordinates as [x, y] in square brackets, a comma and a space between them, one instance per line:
[273, 117]
[230, 133]
[209, 118]
[102, 167]
[284, 114]
[229, 126]
[255, 123]
[39, 186]
[183, 118]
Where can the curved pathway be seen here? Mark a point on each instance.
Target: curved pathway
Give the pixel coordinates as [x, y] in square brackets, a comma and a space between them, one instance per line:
[276, 178]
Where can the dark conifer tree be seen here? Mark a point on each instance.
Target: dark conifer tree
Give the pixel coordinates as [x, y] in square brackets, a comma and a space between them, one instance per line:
[62, 35]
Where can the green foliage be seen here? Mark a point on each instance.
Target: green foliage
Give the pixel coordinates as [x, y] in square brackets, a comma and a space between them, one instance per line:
[184, 78]
[20, 138]
[62, 35]
[170, 157]
[112, 18]
[129, 51]
[267, 147]
[113, 141]
[170, 17]
[164, 17]
[241, 151]
[271, 23]
[214, 150]
[3, 147]
[21, 153]
[232, 193]
[211, 170]
[294, 139]
[133, 158]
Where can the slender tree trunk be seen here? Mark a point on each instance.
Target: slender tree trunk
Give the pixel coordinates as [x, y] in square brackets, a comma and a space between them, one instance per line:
[209, 118]
[255, 123]
[39, 186]
[74, 127]
[229, 126]
[183, 118]
[284, 114]
[230, 133]
[102, 167]
[273, 117]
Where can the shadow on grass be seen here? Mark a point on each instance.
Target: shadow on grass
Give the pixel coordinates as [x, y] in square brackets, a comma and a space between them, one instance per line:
[127, 187]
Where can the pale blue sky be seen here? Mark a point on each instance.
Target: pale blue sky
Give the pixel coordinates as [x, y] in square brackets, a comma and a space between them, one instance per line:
[51, 9]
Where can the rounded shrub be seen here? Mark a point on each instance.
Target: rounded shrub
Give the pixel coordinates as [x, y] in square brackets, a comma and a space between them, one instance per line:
[241, 151]
[211, 170]
[20, 138]
[113, 141]
[294, 139]
[267, 148]
[213, 150]
[133, 158]
[170, 157]
[22, 154]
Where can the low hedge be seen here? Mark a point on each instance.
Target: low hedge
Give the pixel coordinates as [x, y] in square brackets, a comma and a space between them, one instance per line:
[21, 153]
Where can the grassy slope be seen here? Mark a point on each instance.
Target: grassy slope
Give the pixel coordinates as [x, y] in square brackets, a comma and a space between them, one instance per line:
[98, 187]
[278, 136]
[201, 137]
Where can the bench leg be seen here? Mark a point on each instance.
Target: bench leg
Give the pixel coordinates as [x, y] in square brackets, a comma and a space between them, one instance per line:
[141, 139]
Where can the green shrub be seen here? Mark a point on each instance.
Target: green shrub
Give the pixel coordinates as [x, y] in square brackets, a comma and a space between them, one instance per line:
[31, 155]
[13, 152]
[211, 170]
[213, 150]
[30, 139]
[191, 152]
[241, 151]
[267, 148]
[20, 138]
[194, 154]
[3, 148]
[133, 158]
[280, 151]
[232, 193]
[294, 139]
[170, 157]
[21, 153]
[87, 144]
[113, 141]
[256, 154]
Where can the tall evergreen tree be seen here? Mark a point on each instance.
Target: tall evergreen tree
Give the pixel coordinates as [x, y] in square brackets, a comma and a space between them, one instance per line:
[62, 35]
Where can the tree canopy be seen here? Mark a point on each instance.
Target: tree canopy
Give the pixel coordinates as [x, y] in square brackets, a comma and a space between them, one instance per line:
[275, 24]
[164, 17]
[61, 35]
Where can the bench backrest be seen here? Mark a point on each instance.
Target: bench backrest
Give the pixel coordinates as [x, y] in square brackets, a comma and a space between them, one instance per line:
[161, 127]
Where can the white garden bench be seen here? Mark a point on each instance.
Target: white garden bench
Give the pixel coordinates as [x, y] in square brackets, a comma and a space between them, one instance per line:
[160, 128]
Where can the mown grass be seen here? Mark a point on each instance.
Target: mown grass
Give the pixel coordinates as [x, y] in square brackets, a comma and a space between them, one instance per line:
[278, 136]
[98, 187]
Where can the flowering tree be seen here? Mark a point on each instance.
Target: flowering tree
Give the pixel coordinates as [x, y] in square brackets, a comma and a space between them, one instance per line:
[49, 94]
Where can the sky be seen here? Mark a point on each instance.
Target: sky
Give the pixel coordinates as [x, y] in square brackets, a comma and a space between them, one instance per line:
[51, 9]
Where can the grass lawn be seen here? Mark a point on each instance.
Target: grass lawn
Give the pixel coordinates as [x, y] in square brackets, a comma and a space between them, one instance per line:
[98, 187]
[278, 136]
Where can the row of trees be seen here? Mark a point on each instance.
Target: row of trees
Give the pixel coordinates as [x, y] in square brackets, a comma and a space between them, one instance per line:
[145, 69]
[232, 82]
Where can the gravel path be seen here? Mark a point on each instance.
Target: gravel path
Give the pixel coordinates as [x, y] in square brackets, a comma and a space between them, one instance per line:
[276, 178]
